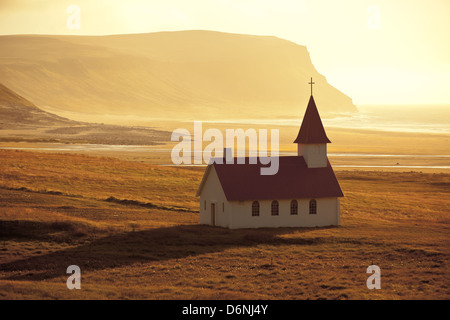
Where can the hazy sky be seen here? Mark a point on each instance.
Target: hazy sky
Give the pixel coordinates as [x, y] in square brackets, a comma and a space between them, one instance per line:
[376, 51]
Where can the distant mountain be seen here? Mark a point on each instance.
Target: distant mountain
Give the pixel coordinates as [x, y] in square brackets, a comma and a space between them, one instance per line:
[177, 75]
[16, 111]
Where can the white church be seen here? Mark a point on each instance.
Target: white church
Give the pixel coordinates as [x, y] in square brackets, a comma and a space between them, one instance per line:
[303, 193]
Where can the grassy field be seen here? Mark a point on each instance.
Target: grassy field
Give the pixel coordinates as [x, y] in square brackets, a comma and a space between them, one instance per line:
[54, 212]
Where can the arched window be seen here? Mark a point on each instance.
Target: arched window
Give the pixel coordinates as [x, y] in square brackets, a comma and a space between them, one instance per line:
[312, 206]
[255, 208]
[294, 207]
[274, 207]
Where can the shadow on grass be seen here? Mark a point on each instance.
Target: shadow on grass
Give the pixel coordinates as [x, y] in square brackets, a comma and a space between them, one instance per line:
[57, 231]
[143, 246]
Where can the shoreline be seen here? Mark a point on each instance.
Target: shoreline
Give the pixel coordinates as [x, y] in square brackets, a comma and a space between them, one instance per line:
[340, 161]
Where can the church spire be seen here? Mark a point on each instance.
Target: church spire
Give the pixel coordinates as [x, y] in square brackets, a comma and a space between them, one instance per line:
[312, 130]
[312, 139]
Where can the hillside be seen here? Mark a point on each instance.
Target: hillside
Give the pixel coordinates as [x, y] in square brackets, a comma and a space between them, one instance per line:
[16, 111]
[171, 75]
[22, 121]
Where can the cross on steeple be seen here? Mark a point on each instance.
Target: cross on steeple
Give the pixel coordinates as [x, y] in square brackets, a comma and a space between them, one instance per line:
[311, 83]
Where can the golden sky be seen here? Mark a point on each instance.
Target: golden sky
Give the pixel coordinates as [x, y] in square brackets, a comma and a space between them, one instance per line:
[375, 51]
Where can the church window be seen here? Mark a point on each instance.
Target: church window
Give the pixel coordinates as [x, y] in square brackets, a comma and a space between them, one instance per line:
[312, 206]
[294, 207]
[274, 207]
[255, 208]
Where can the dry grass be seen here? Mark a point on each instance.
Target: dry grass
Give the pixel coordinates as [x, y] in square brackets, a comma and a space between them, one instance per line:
[399, 221]
[99, 178]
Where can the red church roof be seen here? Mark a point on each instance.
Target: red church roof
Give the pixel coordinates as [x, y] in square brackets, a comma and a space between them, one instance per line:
[294, 180]
[312, 130]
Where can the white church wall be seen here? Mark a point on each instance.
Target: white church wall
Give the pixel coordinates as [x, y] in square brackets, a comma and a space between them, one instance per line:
[212, 192]
[327, 214]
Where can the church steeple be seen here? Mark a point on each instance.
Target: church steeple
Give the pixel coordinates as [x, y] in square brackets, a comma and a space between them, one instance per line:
[312, 130]
[312, 139]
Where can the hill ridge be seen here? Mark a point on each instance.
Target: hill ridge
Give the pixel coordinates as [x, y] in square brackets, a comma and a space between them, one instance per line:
[188, 75]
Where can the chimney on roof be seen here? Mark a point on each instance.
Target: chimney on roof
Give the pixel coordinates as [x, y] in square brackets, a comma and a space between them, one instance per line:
[227, 155]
